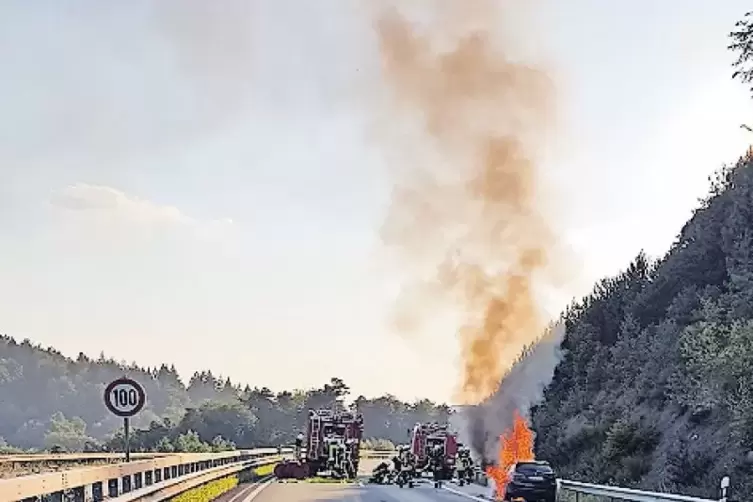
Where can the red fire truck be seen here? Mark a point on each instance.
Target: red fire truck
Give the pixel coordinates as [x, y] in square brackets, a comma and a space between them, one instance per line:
[425, 437]
[332, 446]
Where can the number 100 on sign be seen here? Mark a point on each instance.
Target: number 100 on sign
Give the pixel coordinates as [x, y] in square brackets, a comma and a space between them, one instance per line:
[124, 397]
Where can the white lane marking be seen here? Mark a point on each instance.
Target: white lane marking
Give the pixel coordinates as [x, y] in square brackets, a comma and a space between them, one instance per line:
[258, 490]
[463, 494]
[239, 496]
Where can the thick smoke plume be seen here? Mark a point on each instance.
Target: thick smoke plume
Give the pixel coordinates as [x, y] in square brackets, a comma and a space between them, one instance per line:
[474, 210]
[468, 206]
[521, 388]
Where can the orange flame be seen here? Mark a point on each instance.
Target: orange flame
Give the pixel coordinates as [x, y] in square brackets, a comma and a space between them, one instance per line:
[515, 445]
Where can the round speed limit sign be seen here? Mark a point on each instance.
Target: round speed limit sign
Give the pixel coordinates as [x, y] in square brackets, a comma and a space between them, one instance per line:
[125, 397]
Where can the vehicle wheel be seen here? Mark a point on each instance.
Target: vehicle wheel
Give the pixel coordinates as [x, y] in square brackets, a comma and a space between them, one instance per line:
[410, 484]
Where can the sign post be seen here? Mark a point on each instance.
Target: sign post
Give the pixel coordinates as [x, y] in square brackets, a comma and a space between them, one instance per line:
[124, 398]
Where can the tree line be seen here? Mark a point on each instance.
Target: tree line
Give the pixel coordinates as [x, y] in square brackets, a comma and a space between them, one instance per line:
[656, 387]
[50, 401]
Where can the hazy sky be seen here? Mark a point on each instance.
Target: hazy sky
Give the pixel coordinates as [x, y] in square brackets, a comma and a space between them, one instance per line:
[194, 182]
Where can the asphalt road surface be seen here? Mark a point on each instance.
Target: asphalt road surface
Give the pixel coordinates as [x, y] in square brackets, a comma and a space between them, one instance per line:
[277, 491]
[328, 492]
[241, 493]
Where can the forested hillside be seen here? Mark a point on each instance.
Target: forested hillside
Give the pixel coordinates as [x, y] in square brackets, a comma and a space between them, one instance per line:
[656, 387]
[48, 400]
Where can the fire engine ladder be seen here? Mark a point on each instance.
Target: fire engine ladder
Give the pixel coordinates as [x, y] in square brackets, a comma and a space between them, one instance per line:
[316, 424]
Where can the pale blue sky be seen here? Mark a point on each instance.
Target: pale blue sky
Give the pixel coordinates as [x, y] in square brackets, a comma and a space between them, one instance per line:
[192, 182]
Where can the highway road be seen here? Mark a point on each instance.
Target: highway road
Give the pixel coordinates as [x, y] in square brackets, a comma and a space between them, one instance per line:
[276, 491]
[301, 491]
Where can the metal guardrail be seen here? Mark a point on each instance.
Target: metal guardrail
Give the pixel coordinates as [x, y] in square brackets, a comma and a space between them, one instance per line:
[577, 489]
[131, 481]
[72, 457]
[170, 488]
[33, 464]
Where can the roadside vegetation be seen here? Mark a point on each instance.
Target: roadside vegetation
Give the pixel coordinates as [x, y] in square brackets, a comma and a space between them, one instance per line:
[54, 403]
[656, 386]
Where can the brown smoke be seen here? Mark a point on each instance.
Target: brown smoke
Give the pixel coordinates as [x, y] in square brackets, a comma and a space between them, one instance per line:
[468, 202]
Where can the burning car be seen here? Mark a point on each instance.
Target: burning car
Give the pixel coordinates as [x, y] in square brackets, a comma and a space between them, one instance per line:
[532, 481]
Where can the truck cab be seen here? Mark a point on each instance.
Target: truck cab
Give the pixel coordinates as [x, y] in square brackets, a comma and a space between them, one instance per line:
[427, 437]
[333, 444]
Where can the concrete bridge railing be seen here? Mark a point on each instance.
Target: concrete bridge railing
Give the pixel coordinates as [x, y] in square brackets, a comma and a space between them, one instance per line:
[149, 476]
[136, 480]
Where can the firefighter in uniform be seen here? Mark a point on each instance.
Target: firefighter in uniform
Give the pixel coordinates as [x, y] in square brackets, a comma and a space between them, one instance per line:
[435, 464]
[407, 472]
[343, 459]
[332, 454]
[298, 445]
[397, 461]
[380, 473]
[350, 463]
[465, 465]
